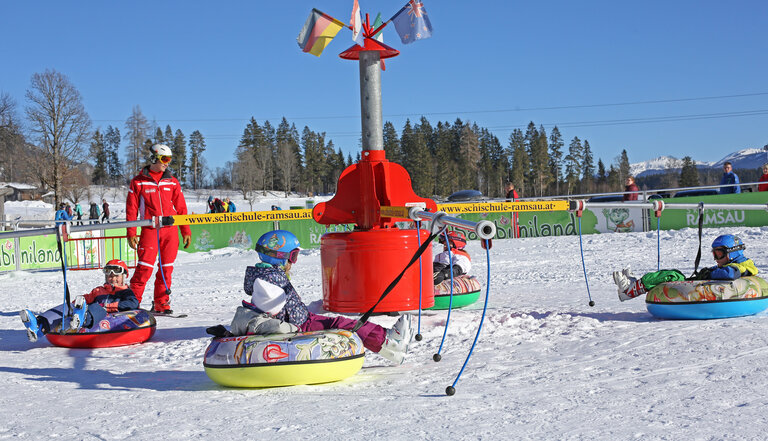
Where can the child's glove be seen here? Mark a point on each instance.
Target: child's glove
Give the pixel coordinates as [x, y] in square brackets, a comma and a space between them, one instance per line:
[111, 307]
[704, 274]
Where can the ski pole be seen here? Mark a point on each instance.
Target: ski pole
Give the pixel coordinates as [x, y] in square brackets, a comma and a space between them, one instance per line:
[486, 243]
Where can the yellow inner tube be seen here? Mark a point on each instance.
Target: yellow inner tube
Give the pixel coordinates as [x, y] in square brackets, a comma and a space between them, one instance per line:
[286, 374]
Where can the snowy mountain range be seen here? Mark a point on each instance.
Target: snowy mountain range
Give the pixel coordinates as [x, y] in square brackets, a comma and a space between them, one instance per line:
[742, 159]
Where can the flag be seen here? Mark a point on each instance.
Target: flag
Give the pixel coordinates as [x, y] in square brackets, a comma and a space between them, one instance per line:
[317, 32]
[376, 23]
[411, 22]
[356, 22]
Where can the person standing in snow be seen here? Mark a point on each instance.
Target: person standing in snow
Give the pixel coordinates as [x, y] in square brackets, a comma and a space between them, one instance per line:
[156, 192]
[113, 296]
[230, 206]
[728, 252]
[79, 213]
[729, 177]
[276, 307]
[105, 211]
[764, 178]
[94, 213]
[630, 189]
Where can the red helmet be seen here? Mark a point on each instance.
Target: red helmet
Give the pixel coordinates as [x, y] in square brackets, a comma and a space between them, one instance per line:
[455, 239]
[116, 266]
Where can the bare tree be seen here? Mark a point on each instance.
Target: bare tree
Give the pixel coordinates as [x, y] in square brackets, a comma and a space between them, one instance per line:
[11, 140]
[287, 164]
[75, 185]
[60, 124]
[246, 174]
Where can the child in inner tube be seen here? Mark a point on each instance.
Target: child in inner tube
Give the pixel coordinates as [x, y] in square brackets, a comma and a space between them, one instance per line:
[728, 252]
[113, 296]
[276, 308]
[462, 263]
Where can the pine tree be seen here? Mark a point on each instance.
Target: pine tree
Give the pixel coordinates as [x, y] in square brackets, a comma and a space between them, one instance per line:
[112, 147]
[179, 159]
[689, 174]
[392, 144]
[519, 160]
[587, 168]
[196, 147]
[602, 177]
[623, 167]
[470, 157]
[159, 137]
[556, 157]
[573, 163]
[446, 168]
[99, 155]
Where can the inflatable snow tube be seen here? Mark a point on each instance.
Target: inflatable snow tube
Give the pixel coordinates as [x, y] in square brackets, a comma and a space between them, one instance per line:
[708, 299]
[116, 329]
[466, 290]
[284, 359]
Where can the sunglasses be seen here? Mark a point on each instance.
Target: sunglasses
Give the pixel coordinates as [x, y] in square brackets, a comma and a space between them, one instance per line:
[114, 270]
[719, 253]
[291, 256]
[163, 158]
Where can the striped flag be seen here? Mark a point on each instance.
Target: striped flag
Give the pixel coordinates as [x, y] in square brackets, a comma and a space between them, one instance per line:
[356, 22]
[318, 31]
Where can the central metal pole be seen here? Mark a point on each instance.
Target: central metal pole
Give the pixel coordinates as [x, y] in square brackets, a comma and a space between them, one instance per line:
[370, 100]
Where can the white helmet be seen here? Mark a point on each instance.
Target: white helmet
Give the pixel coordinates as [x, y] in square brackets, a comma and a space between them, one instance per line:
[159, 150]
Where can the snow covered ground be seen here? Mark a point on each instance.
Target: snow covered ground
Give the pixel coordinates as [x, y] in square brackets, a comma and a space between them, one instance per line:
[546, 366]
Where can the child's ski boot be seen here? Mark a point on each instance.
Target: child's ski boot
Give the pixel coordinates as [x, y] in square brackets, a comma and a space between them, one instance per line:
[398, 340]
[79, 308]
[30, 322]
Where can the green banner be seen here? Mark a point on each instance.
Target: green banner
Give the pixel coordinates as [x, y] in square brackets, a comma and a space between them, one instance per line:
[677, 219]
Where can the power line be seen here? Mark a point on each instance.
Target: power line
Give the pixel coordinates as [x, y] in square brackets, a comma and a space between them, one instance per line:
[516, 109]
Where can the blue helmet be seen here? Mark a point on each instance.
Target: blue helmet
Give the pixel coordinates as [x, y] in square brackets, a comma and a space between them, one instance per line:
[730, 244]
[275, 247]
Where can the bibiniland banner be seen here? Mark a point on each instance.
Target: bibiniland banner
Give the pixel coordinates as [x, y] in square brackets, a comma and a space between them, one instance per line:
[535, 219]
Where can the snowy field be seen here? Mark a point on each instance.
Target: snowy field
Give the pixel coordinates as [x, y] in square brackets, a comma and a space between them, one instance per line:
[547, 366]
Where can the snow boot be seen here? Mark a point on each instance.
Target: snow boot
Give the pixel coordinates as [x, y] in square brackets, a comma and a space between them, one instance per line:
[79, 308]
[629, 287]
[398, 339]
[161, 308]
[393, 351]
[30, 323]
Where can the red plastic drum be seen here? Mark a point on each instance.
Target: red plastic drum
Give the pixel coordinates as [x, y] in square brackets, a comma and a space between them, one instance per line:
[358, 266]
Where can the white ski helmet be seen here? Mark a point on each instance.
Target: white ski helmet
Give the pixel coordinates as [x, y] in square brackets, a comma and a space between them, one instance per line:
[159, 150]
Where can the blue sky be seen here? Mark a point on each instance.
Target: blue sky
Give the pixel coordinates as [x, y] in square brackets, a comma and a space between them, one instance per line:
[600, 70]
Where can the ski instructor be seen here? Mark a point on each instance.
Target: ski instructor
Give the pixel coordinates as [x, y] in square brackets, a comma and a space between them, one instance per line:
[156, 192]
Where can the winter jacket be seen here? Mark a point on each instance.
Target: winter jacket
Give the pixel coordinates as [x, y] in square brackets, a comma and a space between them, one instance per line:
[94, 212]
[105, 206]
[631, 192]
[460, 258]
[78, 210]
[272, 293]
[147, 198]
[62, 215]
[763, 187]
[113, 298]
[739, 267]
[730, 178]
[231, 207]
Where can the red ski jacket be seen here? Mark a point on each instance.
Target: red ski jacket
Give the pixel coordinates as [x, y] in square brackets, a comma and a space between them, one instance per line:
[147, 198]
[113, 298]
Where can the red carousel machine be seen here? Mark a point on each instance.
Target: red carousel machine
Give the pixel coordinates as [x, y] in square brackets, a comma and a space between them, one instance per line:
[358, 265]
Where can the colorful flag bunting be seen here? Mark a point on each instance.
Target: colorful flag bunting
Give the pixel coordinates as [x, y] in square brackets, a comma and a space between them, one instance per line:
[356, 22]
[411, 22]
[317, 32]
[376, 23]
